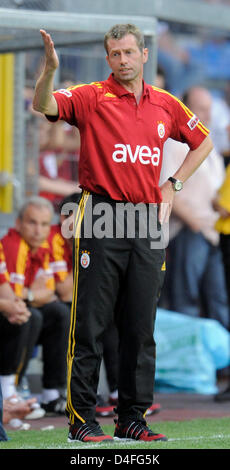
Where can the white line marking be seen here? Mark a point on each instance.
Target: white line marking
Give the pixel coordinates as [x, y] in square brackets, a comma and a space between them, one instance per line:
[199, 438]
[177, 439]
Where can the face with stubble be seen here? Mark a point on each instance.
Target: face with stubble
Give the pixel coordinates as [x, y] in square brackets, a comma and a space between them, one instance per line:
[126, 59]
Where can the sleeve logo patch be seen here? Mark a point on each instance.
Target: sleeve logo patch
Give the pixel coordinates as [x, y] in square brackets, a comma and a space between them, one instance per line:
[65, 92]
[192, 123]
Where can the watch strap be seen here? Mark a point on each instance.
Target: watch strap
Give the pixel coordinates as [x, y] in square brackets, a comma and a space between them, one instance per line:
[173, 180]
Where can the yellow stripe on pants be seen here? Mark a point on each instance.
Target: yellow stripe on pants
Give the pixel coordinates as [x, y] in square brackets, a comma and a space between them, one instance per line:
[71, 347]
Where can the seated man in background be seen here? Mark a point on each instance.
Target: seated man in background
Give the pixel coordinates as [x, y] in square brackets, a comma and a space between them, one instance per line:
[28, 260]
[17, 325]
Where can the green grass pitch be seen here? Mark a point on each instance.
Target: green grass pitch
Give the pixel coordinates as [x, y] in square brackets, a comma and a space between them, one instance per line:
[194, 434]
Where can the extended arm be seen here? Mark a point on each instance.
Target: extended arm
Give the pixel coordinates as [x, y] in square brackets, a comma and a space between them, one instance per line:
[58, 186]
[43, 100]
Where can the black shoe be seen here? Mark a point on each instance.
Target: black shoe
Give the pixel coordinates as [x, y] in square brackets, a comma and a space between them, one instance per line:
[87, 432]
[137, 430]
[55, 407]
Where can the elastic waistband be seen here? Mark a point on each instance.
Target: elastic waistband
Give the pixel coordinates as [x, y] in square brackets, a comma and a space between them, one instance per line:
[107, 198]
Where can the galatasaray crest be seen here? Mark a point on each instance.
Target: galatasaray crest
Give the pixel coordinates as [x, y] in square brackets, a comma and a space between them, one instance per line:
[85, 259]
[161, 129]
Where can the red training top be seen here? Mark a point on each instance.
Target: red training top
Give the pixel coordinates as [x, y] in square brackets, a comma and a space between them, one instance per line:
[24, 266]
[122, 142]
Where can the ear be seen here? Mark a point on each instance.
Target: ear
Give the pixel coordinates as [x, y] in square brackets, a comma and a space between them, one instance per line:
[145, 55]
[107, 59]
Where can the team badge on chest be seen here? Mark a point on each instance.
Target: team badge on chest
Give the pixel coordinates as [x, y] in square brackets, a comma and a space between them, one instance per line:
[85, 259]
[161, 129]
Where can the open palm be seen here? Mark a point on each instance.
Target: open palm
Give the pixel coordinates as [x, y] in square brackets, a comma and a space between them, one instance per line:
[52, 60]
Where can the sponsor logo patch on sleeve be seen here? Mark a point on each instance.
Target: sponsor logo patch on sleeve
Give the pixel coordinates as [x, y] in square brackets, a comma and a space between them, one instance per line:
[192, 123]
[65, 92]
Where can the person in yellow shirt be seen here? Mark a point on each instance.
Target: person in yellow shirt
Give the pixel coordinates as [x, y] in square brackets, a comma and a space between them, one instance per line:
[222, 205]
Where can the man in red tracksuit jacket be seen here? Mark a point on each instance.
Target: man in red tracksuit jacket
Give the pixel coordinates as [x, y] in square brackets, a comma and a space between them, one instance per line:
[123, 124]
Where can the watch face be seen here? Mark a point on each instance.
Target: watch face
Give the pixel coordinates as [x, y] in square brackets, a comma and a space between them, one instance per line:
[30, 296]
[178, 185]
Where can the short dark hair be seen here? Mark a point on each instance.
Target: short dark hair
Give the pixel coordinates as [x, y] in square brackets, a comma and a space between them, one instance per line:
[118, 31]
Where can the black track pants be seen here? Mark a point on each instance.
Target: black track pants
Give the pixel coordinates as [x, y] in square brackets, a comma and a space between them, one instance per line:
[113, 277]
[17, 343]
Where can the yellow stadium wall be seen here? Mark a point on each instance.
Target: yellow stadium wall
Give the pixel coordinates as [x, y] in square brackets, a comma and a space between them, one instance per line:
[6, 128]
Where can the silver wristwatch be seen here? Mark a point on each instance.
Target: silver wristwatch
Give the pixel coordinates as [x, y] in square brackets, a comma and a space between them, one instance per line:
[30, 295]
[177, 184]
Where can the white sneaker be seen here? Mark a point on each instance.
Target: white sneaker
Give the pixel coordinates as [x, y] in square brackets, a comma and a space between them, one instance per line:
[36, 411]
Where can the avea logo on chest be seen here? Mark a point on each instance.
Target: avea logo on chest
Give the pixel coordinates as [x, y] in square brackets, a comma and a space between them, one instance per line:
[143, 153]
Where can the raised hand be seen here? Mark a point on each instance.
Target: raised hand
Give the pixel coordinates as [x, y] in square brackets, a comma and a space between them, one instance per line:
[43, 100]
[51, 57]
